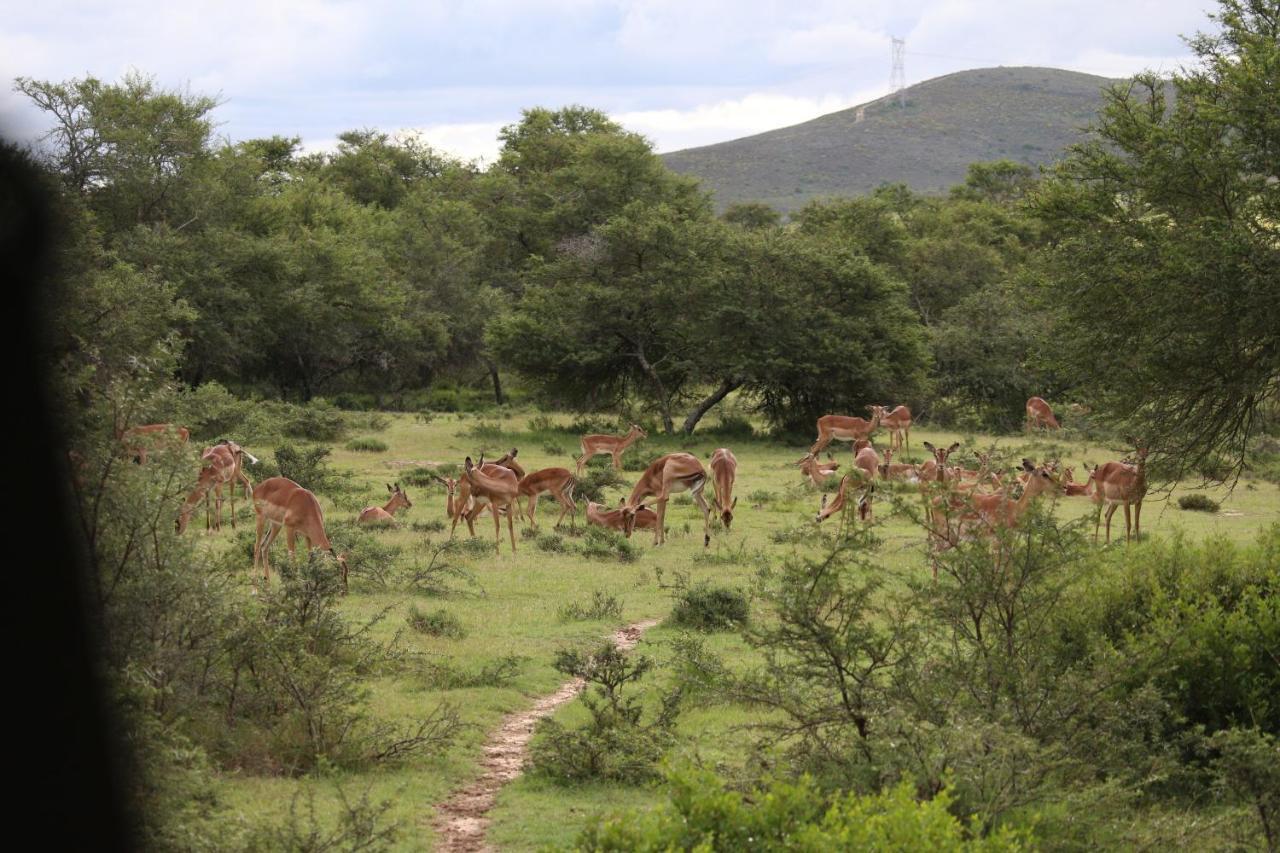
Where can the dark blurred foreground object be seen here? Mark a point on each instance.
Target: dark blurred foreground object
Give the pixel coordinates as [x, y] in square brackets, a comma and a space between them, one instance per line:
[70, 776]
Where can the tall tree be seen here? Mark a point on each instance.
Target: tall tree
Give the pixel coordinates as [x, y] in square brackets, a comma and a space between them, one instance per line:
[1167, 246]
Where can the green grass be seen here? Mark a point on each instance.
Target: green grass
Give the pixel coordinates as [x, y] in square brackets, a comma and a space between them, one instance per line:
[516, 609]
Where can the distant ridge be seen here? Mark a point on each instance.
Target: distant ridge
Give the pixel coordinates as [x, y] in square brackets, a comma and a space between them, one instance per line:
[1025, 114]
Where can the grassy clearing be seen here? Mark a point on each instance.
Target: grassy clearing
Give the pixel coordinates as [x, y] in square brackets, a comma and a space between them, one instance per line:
[515, 608]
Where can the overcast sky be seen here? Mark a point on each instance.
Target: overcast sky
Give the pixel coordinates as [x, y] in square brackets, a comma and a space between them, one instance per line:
[683, 72]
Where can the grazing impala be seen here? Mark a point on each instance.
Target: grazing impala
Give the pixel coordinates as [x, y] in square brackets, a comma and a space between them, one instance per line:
[615, 519]
[816, 471]
[826, 510]
[1116, 483]
[137, 439]
[898, 423]
[614, 445]
[724, 468]
[666, 475]
[499, 491]
[1040, 415]
[218, 468]
[239, 475]
[866, 461]
[386, 514]
[281, 503]
[844, 428]
[560, 483]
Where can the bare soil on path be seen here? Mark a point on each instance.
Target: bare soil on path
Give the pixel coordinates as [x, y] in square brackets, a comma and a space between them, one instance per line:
[461, 820]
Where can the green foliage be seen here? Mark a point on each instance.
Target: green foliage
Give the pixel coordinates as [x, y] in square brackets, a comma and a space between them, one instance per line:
[1165, 253]
[308, 468]
[361, 825]
[444, 674]
[752, 215]
[367, 445]
[602, 605]
[703, 813]
[437, 623]
[708, 607]
[616, 743]
[603, 543]
[1199, 503]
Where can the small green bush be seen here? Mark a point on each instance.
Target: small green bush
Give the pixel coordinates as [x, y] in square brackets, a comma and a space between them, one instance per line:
[316, 421]
[602, 542]
[366, 444]
[435, 525]
[594, 480]
[602, 606]
[308, 468]
[418, 476]
[734, 426]
[373, 421]
[1198, 503]
[448, 675]
[704, 607]
[552, 543]
[438, 623]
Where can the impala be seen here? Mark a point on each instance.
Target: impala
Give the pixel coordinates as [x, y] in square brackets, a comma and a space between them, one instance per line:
[239, 475]
[935, 469]
[1074, 489]
[816, 471]
[218, 468]
[386, 514]
[1040, 415]
[614, 445]
[1116, 483]
[281, 503]
[865, 460]
[826, 510]
[498, 490]
[508, 461]
[724, 469]
[136, 439]
[898, 423]
[904, 471]
[615, 519]
[464, 507]
[557, 481]
[666, 475]
[844, 428]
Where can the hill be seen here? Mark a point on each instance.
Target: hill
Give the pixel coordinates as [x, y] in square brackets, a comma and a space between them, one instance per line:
[1025, 114]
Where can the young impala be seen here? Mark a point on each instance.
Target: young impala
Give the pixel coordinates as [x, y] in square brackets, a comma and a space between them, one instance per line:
[1119, 483]
[499, 491]
[826, 510]
[816, 471]
[614, 445]
[724, 468]
[844, 428]
[559, 482]
[281, 503]
[386, 514]
[666, 475]
[615, 519]
[218, 468]
[1040, 415]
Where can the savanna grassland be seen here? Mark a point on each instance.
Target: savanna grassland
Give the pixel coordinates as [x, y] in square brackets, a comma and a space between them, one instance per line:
[512, 606]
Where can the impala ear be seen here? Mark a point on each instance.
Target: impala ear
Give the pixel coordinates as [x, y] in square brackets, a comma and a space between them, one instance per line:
[930, 447]
[514, 451]
[389, 489]
[954, 447]
[823, 505]
[1027, 466]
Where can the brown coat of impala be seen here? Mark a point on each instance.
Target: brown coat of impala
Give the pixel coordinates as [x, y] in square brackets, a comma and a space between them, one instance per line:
[240, 476]
[468, 509]
[280, 503]
[826, 510]
[1119, 483]
[816, 471]
[724, 470]
[1040, 415]
[615, 519]
[844, 428]
[666, 475]
[614, 445]
[386, 514]
[902, 471]
[218, 468]
[898, 423]
[559, 482]
[499, 491]
[136, 439]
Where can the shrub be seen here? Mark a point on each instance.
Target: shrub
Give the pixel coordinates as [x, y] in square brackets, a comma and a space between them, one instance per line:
[316, 421]
[434, 525]
[438, 623]
[594, 480]
[602, 542]
[373, 421]
[616, 743]
[734, 426]
[552, 543]
[367, 445]
[602, 606]
[703, 813]
[308, 468]
[704, 607]
[552, 449]
[423, 478]
[1198, 503]
[542, 423]
[448, 675]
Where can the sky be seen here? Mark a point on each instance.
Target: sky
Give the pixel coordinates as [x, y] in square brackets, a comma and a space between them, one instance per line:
[682, 72]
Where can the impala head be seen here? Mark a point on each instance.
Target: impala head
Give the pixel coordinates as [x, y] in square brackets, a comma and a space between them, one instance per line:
[864, 503]
[628, 519]
[822, 509]
[884, 466]
[637, 431]
[342, 564]
[726, 515]
[1040, 479]
[861, 444]
[398, 498]
[450, 484]
[940, 456]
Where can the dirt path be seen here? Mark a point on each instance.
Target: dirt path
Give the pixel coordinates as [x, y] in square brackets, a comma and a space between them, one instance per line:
[461, 820]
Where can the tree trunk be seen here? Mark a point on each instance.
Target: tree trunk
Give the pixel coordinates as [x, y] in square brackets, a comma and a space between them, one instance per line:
[497, 382]
[664, 403]
[702, 408]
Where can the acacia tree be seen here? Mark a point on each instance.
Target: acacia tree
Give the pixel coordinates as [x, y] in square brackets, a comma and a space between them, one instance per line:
[1167, 246]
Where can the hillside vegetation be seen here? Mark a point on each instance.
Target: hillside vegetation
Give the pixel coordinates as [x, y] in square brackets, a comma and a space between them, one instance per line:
[1028, 115]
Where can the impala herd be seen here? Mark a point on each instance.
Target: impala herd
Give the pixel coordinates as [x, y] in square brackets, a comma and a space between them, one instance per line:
[961, 504]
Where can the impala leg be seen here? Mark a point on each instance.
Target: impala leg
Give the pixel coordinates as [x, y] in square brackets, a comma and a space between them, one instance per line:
[233, 504]
[617, 461]
[658, 537]
[291, 540]
[1111, 510]
[1127, 523]
[497, 530]
[1137, 520]
[273, 530]
[532, 511]
[511, 529]
[706, 514]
